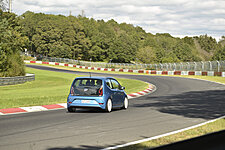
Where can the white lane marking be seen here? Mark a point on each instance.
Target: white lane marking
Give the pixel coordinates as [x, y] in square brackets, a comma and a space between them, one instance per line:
[223, 74]
[34, 108]
[141, 93]
[14, 113]
[162, 135]
[149, 90]
[159, 72]
[130, 97]
[136, 94]
[38, 62]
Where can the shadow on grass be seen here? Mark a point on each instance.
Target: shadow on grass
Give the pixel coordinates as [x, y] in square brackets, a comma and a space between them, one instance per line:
[195, 104]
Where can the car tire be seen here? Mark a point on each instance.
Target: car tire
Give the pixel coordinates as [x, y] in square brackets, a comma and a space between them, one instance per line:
[71, 109]
[108, 107]
[125, 103]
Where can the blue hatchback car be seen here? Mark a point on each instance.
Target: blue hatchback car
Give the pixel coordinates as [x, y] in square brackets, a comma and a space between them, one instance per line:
[99, 92]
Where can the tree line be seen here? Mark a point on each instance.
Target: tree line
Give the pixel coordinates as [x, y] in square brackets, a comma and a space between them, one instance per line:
[82, 38]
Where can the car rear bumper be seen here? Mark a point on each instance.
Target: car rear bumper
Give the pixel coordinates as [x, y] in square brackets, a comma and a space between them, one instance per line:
[85, 102]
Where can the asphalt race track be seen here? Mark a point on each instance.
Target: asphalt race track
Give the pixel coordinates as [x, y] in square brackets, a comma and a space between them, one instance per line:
[177, 103]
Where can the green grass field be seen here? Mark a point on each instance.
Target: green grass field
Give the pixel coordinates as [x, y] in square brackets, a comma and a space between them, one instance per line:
[49, 88]
[202, 130]
[209, 78]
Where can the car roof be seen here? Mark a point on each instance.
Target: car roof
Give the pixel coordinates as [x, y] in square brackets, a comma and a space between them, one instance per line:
[95, 77]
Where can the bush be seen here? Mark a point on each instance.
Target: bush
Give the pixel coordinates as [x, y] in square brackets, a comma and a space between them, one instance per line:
[14, 66]
[11, 63]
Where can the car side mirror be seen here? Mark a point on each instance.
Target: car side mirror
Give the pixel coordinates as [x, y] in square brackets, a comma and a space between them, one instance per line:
[122, 88]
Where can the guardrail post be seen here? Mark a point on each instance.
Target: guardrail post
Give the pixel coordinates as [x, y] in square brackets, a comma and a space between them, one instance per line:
[175, 66]
[155, 66]
[161, 66]
[166, 66]
[151, 66]
[170, 66]
[188, 66]
[210, 65]
[202, 65]
[218, 66]
[195, 66]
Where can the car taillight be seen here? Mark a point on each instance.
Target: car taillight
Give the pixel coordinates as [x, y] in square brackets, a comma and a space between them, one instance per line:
[100, 92]
[72, 91]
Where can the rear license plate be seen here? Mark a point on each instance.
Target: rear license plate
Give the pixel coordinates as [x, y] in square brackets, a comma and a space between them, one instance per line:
[85, 101]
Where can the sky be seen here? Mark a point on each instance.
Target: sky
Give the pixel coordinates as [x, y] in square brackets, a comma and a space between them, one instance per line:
[177, 17]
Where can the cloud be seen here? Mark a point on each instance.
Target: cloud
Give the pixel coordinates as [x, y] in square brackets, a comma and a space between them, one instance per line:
[177, 17]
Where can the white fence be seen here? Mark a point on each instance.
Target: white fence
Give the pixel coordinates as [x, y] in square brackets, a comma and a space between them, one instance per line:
[218, 66]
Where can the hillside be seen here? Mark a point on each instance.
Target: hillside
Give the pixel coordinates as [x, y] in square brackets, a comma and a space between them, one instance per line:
[208, 48]
[202, 54]
[82, 38]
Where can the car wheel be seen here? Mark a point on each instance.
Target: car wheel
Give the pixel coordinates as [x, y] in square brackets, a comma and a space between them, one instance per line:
[125, 103]
[71, 109]
[108, 107]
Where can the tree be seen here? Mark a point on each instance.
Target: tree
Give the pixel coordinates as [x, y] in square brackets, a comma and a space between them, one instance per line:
[147, 55]
[222, 41]
[207, 43]
[86, 38]
[11, 64]
[183, 52]
[219, 55]
[60, 49]
[188, 40]
[122, 49]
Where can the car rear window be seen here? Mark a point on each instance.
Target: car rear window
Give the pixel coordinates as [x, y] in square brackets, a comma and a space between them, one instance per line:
[87, 87]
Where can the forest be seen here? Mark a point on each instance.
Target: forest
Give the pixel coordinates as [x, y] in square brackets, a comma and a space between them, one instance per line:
[82, 38]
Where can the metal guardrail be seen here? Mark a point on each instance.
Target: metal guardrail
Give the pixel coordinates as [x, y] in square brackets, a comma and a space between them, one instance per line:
[16, 80]
[218, 66]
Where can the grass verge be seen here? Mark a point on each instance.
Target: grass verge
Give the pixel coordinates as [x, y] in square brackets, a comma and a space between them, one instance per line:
[209, 78]
[199, 131]
[49, 88]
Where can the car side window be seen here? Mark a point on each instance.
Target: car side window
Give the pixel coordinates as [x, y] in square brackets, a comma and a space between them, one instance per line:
[109, 83]
[77, 83]
[115, 84]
